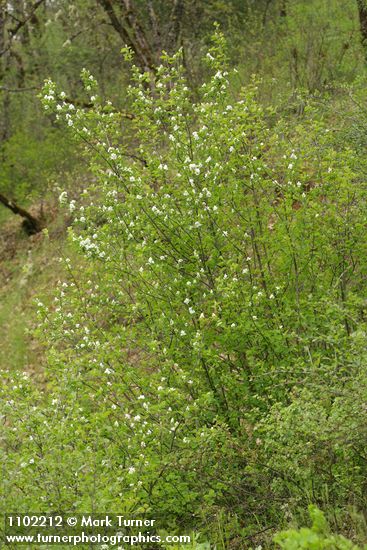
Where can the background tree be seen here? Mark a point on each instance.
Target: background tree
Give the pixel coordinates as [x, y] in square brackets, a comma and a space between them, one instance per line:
[362, 13]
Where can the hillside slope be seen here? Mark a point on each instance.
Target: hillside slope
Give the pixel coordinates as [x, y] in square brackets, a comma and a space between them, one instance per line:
[27, 271]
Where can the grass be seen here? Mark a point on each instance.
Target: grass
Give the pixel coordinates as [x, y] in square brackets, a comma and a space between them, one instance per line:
[29, 268]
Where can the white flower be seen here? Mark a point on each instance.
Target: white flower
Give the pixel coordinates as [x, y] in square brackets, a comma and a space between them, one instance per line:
[131, 470]
[63, 197]
[194, 168]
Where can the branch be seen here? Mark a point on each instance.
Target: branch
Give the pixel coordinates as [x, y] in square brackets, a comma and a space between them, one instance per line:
[21, 24]
[14, 90]
[82, 104]
[134, 37]
[142, 45]
[362, 13]
[14, 31]
[157, 40]
[175, 24]
[115, 22]
[31, 224]
[85, 105]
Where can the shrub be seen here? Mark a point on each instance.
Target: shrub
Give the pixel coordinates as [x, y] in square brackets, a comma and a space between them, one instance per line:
[223, 271]
[316, 538]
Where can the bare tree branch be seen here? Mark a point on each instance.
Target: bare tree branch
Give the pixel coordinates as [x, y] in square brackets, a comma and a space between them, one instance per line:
[175, 24]
[142, 44]
[157, 36]
[134, 35]
[31, 224]
[14, 90]
[14, 31]
[362, 12]
[283, 9]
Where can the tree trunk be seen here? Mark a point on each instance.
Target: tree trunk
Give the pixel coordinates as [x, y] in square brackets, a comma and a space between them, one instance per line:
[283, 9]
[131, 32]
[175, 23]
[146, 35]
[31, 224]
[4, 62]
[362, 12]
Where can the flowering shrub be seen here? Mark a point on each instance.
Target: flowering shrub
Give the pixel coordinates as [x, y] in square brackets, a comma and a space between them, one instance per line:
[222, 271]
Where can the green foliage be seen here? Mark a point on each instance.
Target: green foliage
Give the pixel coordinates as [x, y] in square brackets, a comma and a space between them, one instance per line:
[317, 44]
[32, 162]
[207, 359]
[315, 538]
